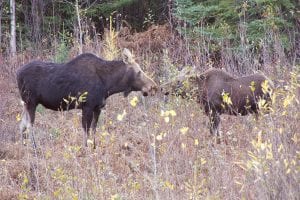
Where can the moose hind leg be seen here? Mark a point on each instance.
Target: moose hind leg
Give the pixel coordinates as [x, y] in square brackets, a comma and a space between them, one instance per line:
[87, 117]
[25, 122]
[28, 116]
[31, 114]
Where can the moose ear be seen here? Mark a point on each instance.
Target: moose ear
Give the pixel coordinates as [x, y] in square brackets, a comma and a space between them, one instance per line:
[193, 79]
[127, 56]
[201, 77]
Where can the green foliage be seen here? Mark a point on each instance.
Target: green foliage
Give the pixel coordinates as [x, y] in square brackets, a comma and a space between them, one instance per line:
[107, 8]
[40, 109]
[149, 19]
[220, 19]
[62, 51]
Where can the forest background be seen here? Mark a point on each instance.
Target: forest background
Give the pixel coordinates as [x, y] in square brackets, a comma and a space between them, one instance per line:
[150, 148]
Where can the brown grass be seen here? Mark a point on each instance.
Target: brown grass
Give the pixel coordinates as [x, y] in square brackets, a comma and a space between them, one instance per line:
[142, 156]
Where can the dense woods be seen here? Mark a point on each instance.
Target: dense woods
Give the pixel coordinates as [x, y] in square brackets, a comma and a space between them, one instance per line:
[246, 26]
[159, 147]
[37, 20]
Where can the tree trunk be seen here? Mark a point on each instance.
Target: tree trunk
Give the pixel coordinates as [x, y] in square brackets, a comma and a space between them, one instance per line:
[1, 2]
[79, 25]
[36, 23]
[13, 46]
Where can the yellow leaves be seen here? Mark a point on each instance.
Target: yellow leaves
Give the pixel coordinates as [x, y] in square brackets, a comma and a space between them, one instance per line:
[115, 197]
[262, 104]
[295, 138]
[290, 90]
[183, 145]
[252, 86]
[184, 130]
[18, 117]
[105, 133]
[196, 142]
[238, 183]
[74, 149]
[265, 147]
[259, 157]
[167, 114]
[48, 154]
[67, 155]
[256, 144]
[171, 112]
[202, 161]
[69, 100]
[168, 185]
[280, 148]
[266, 87]
[134, 185]
[153, 145]
[90, 142]
[72, 99]
[167, 119]
[159, 137]
[226, 98]
[120, 117]
[195, 188]
[83, 97]
[287, 166]
[57, 193]
[134, 101]
[288, 100]
[23, 196]
[269, 154]
[25, 181]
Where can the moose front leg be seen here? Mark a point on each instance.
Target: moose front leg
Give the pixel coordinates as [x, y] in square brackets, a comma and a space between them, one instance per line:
[96, 115]
[214, 121]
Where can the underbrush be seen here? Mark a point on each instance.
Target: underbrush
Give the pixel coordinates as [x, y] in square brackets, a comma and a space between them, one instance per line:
[151, 149]
[154, 150]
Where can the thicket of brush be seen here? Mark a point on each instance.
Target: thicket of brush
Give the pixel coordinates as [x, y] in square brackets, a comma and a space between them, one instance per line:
[148, 148]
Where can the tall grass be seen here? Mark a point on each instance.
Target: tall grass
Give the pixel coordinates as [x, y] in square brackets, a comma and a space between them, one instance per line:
[154, 149]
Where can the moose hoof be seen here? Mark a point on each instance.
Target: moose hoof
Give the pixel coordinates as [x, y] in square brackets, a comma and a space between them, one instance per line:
[218, 140]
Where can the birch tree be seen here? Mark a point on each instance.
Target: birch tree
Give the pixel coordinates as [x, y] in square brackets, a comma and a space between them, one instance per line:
[13, 46]
[1, 2]
[79, 25]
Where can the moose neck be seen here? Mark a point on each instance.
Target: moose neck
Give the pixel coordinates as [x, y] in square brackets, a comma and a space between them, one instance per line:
[119, 84]
[118, 81]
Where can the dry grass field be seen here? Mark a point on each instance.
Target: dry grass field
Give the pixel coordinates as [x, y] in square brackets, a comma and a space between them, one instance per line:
[148, 148]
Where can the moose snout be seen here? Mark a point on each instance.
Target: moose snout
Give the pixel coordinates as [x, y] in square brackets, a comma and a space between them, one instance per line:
[153, 90]
[164, 91]
[150, 90]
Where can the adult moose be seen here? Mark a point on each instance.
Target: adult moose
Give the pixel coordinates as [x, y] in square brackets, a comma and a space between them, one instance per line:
[221, 93]
[58, 86]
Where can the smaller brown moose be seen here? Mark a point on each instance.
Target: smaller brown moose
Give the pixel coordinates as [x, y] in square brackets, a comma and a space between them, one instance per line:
[219, 93]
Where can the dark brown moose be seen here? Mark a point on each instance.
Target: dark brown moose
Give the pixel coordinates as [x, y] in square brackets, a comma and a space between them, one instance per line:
[84, 83]
[219, 93]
